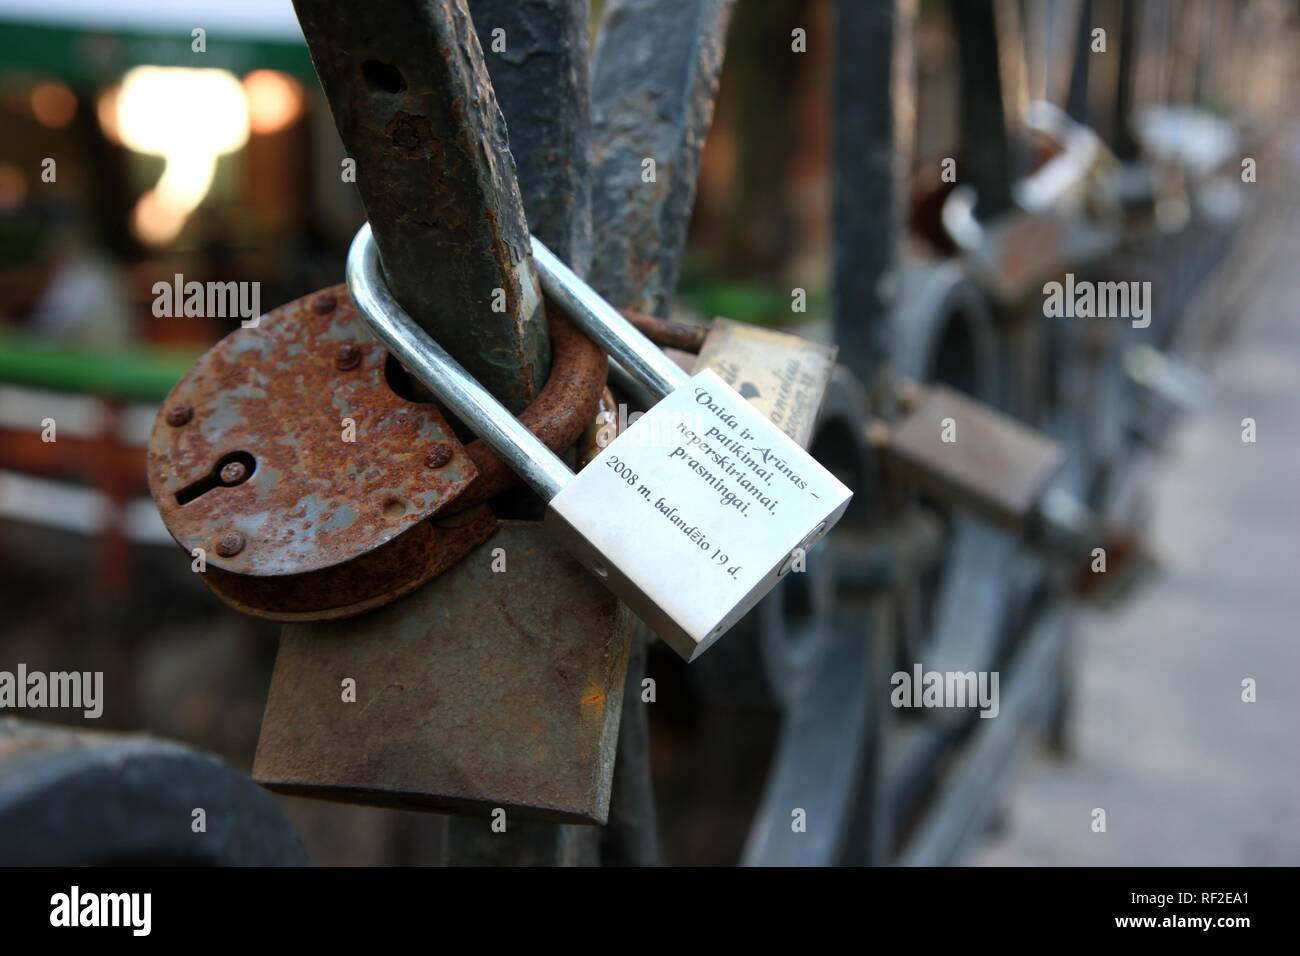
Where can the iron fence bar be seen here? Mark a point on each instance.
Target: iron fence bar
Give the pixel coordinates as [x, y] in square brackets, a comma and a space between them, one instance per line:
[654, 78]
[1122, 139]
[410, 94]
[985, 141]
[995, 749]
[1076, 100]
[874, 102]
[540, 66]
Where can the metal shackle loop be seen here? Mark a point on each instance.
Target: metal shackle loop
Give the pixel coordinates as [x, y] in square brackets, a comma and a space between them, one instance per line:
[622, 341]
[539, 467]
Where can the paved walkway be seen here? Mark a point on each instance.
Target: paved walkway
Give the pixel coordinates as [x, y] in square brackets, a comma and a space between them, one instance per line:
[1189, 774]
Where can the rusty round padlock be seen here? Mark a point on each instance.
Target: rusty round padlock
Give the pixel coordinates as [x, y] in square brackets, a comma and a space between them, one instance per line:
[306, 488]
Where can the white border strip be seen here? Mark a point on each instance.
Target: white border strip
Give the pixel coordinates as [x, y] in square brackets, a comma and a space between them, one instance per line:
[67, 507]
[249, 19]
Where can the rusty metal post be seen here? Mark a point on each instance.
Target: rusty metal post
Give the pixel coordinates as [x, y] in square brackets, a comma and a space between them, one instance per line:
[874, 101]
[537, 57]
[1105, 101]
[538, 60]
[1077, 99]
[654, 80]
[411, 98]
[1122, 139]
[987, 151]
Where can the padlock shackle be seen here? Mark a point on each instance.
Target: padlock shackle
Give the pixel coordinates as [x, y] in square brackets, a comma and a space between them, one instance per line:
[625, 343]
[431, 365]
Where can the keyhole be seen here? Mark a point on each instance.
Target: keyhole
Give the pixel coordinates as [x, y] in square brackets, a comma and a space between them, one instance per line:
[230, 470]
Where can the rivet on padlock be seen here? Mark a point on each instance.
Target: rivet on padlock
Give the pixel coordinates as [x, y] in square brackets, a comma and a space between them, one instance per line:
[701, 501]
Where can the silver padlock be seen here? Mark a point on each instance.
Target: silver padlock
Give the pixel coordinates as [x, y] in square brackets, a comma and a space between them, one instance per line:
[690, 517]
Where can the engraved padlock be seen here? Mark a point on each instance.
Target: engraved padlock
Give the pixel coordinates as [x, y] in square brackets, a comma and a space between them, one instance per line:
[703, 502]
[782, 375]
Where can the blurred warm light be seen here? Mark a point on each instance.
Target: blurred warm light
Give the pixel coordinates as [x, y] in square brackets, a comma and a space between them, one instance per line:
[106, 111]
[13, 187]
[190, 117]
[157, 220]
[275, 100]
[53, 105]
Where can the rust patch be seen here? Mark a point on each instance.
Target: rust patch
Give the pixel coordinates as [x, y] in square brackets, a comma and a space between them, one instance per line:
[372, 580]
[666, 332]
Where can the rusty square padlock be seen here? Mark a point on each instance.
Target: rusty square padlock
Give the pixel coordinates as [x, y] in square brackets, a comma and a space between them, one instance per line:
[963, 451]
[690, 517]
[497, 684]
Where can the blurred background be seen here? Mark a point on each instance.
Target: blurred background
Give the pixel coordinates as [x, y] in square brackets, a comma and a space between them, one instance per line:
[122, 163]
